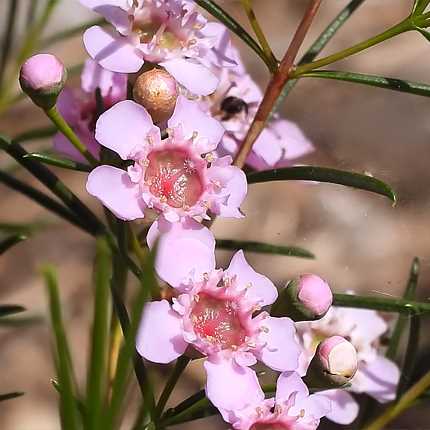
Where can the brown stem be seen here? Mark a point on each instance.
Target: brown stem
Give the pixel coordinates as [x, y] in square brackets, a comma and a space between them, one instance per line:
[276, 84]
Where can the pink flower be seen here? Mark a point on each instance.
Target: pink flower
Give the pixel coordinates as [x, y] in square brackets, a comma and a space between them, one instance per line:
[217, 312]
[235, 103]
[376, 376]
[169, 175]
[293, 408]
[79, 107]
[170, 33]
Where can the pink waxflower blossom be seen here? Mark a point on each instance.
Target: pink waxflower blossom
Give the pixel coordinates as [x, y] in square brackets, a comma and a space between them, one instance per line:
[376, 375]
[216, 312]
[170, 33]
[293, 408]
[177, 176]
[79, 107]
[235, 104]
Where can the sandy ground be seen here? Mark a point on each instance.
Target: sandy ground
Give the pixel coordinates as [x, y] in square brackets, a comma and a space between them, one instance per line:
[360, 240]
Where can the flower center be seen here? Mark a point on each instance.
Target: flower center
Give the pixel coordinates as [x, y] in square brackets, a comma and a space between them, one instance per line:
[217, 322]
[173, 177]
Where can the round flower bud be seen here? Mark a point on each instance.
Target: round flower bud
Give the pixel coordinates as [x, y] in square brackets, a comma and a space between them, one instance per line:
[42, 77]
[333, 365]
[156, 90]
[306, 298]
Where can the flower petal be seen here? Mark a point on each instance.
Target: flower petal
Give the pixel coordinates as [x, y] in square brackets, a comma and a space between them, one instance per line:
[111, 84]
[379, 379]
[289, 383]
[113, 187]
[344, 408]
[188, 244]
[159, 338]
[113, 52]
[125, 127]
[260, 288]
[230, 386]
[192, 75]
[282, 350]
[193, 120]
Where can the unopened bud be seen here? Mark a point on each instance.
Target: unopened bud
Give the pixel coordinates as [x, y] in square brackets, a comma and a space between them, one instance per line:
[333, 365]
[306, 298]
[156, 90]
[42, 77]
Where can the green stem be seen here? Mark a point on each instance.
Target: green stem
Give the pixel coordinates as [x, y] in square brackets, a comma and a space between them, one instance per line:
[259, 33]
[397, 29]
[404, 403]
[401, 306]
[180, 366]
[62, 126]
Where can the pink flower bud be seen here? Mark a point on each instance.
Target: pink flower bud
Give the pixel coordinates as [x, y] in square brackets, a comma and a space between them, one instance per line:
[42, 78]
[157, 92]
[333, 365]
[306, 298]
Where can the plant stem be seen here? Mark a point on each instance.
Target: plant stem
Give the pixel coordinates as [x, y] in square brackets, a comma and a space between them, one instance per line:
[181, 364]
[397, 29]
[259, 32]
[276, 84]
[62, 126]
[404, 403]
[401, 306]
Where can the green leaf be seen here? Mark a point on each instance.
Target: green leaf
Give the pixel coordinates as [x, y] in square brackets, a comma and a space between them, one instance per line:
[42, 199]
[6, 310]
[59, 162]
[220, 14]
[320, 43]
[410, 360]
[394, 84]
[128, 353]
[97, 370]
[420, 6]
[9, 396]
[409, 294]
[11, 241]
[425, 33]
[51, 181]
[35, 134]
[25, 229]
[324, 174]
[68, 405]
[400, 306]
[263, 248]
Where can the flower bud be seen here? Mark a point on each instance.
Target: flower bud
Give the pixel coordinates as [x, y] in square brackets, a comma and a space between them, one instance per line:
[42, 77]
[306, 298]
[333, 365]
[156, 91]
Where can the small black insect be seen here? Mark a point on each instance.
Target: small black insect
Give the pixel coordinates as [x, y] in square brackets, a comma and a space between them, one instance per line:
[232, 106]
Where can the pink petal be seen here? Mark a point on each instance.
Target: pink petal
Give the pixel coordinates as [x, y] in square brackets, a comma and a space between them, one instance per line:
[159, 338]
[230, 386]
[268, 147]
[63, 146]
[259, 287]
[193, 76]
[344, 408]
[289, 383]
[113, 187]
[114, 11]
[235, 187]
[69, 105]
[379, 379]
[110, 83]
[188, 244]
[282, 350]
[124, 128]
[113, 52]
[317, 406]
[193, 120]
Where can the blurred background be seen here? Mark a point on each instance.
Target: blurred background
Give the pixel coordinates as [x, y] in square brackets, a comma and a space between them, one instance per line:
[361, 242]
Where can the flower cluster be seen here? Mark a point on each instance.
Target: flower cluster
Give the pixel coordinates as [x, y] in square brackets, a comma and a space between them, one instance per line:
[166, 146]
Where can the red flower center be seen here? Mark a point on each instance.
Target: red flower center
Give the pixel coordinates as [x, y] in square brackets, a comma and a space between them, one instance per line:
[269, 426]
[217, 322]
[173, 177]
